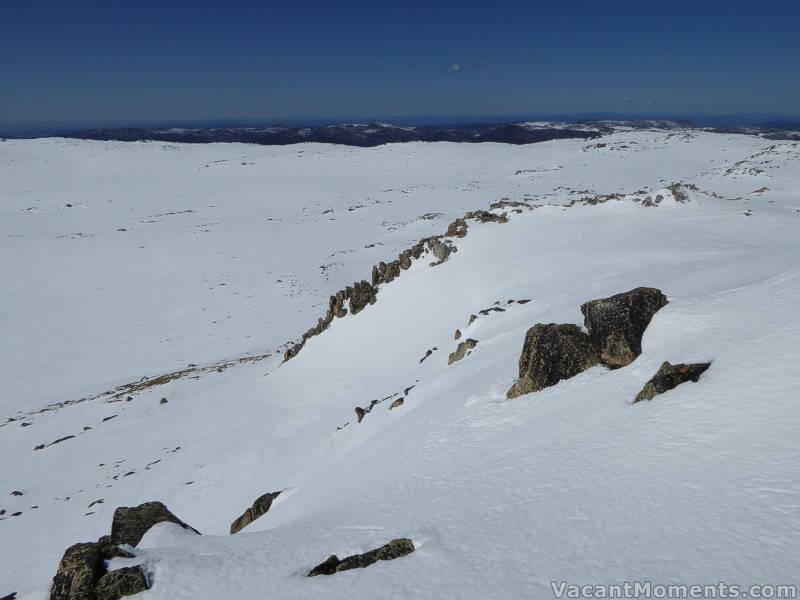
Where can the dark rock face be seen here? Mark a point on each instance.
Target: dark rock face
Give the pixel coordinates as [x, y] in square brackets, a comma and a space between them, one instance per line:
[552, 353]
[394, 549]
[131, 523]
[259, 508]
[121, 582]
[462, 350]
[11, 596]
[78, 572]
[670, 376]
[108, 550]
[616, 324]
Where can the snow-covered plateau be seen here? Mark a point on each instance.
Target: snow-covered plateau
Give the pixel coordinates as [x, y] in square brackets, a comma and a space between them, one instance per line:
[150, 291]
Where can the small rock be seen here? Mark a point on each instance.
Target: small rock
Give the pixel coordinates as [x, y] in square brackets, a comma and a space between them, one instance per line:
[551, 353]
[457, 335]
[121, 582]
[394, 549]
[259, 508]
[396, 404]
[472, 319]
[462, 350]
[16, 493]
[163, 401]
[360, 412]
[670, 376]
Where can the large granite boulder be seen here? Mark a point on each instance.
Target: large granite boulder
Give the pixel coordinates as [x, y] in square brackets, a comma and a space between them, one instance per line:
[670, 376]
[131, 523]
[394, 549]
[552, 353]
[78, 572]
[258, 509]
[121, 582]
[616, 324]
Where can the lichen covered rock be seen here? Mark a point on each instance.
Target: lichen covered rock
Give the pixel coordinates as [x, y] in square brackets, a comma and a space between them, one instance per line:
[670, 376]
[131, 523]
[121, 582]
[616, 324]
[78, 572]
[394, 549]
[463, 349]
[551, 353]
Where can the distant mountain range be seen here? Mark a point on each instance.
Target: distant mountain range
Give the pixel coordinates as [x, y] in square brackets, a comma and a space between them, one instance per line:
[376, 134]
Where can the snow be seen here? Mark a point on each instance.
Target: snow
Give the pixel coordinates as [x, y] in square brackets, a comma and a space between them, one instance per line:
[572, 483]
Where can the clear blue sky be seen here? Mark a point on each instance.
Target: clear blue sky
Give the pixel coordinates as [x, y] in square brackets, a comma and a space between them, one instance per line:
[194, 59]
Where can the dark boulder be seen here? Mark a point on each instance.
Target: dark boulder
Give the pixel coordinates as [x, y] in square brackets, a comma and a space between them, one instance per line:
[121, 582]
[616, 324]
[78, 572]
[670, 376]
[552, 353]
[394, 549]
[259, 508]
[131, 523]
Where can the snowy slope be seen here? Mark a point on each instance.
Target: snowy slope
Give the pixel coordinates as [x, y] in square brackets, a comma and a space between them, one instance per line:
[501, 497]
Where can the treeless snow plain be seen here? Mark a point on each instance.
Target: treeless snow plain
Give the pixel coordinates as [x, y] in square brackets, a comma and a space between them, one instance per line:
[128, 260]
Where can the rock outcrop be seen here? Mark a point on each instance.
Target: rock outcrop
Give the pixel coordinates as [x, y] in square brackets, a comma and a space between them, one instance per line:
[394, 549]
[259, 508]
[463, 349]
[362, 294]
[616, 324]
[670, 376]
[552, 353]
[82, 573]
[131, 523]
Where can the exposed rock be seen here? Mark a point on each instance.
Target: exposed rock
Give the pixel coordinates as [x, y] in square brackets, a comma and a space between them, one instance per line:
[361, 294]
[394, 549]
[396, 404]
[360, 413]
[457, 335]
[472, 319]
[11, 596]
[457, 228]
[121, 582]
[131, 523]
[670, 376]
[259, 508]
[79, 569]
[552, 353]
[427, 354]
[16, 493]
[616, 324]
[109, 550]
[462, 350]
[440, 250]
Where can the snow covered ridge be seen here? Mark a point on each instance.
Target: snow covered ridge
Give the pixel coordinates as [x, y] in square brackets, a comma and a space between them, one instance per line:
[375, 134]
[174, 259]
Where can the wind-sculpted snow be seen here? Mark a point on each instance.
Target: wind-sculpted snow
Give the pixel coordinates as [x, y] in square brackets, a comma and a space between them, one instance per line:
[572, 482]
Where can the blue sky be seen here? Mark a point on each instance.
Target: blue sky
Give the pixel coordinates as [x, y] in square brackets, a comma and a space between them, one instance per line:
[182, 60]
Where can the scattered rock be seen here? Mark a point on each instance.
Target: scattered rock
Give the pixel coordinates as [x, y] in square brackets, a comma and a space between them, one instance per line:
[408, 389]
[396, 404]
[259, 508]
[131, 523]
[394, 549]
[472, 319]
[463, 349]
[457, 335]
[16, 493]
[360, 413]
[11, 596]
[551, 353]
[670, 376]
[616, 324]
[121, 582]
[427, 354]
[163, 401]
